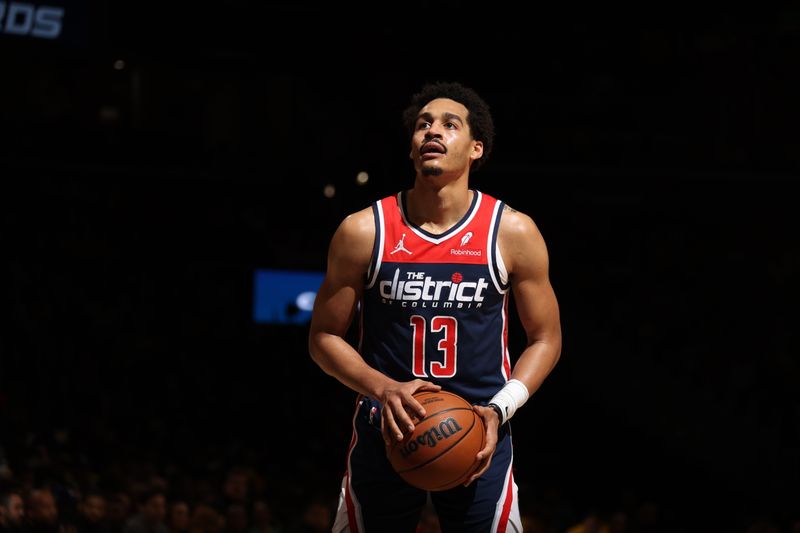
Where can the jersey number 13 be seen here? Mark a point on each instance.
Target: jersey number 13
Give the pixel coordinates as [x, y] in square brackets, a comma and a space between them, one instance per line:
[448, 345]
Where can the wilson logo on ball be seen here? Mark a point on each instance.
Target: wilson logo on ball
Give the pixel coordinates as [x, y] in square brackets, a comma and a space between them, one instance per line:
[446, 429]
[440, 453]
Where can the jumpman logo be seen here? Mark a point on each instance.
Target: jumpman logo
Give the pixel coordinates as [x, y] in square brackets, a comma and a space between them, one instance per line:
[400, 247]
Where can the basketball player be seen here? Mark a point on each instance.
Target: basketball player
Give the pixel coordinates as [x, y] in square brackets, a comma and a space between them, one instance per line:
[429, 272]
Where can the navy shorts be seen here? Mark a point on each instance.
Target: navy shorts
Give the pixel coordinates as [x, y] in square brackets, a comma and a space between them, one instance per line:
[375, 499]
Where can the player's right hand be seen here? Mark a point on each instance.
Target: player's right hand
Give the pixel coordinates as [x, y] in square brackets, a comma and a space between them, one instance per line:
[491, 422]
[399, 404]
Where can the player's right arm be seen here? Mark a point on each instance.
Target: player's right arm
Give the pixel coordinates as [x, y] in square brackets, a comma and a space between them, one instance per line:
[335, 305]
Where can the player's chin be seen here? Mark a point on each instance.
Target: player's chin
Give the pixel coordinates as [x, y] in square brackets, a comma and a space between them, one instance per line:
[432, 171]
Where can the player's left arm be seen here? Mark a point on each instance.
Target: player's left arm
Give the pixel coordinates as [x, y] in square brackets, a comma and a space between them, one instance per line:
[526, 259]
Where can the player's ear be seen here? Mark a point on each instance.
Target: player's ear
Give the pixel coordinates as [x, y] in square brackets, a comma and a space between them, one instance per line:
[477, 150]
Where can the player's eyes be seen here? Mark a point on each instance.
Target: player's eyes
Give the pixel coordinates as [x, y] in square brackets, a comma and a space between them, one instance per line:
[448, 125]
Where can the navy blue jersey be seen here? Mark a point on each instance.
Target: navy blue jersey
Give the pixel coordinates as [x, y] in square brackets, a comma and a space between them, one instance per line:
[436, 306]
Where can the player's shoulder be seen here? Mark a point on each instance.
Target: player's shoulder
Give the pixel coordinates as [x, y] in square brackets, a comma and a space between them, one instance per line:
[356, 230]
[359, 223]
[515, 224]
[521, 244]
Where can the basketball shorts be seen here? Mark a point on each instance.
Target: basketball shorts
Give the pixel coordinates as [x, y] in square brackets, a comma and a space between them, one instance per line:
[374, 498]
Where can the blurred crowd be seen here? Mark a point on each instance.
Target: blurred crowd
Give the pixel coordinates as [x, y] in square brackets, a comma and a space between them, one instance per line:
[69, 505]
[53, 491]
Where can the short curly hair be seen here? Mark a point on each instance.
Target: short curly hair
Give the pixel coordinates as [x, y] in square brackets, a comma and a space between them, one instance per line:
[479, 118]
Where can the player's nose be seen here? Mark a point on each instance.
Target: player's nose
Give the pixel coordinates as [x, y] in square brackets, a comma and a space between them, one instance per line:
[435, 130]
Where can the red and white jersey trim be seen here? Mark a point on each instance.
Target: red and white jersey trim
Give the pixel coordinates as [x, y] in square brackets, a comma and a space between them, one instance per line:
[507, 518]
[391, 222]
[449, 232]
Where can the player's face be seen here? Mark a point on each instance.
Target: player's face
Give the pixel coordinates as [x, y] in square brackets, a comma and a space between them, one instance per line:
[442, 142]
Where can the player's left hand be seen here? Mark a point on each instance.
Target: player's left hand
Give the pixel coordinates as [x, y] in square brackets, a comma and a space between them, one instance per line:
[484, 457]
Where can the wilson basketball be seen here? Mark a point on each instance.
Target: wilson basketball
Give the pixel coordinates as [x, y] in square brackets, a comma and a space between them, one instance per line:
[440, 453]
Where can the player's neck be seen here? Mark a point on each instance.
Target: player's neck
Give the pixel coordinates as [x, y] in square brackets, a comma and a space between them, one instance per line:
[437, 209]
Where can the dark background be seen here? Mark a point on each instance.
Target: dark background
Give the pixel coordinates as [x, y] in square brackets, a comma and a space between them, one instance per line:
[657, 152]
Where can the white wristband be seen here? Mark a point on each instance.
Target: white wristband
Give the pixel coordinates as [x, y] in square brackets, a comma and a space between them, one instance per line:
[510, 398]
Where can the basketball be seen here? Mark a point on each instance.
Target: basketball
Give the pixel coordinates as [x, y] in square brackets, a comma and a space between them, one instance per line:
[440, 453]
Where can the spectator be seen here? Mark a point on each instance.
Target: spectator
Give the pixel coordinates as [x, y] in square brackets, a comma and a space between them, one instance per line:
[206, 519]
[118, 511]
[151, 515]
[236, 488]
[236, 518]
[92, 513]
[178, 518]
[262, 518]
[12, 511]
[42, 511]
[317, 517]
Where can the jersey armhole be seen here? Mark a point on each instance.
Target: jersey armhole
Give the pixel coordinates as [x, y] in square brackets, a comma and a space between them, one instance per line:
[377, 246]
[496, 265]
[501, 266]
